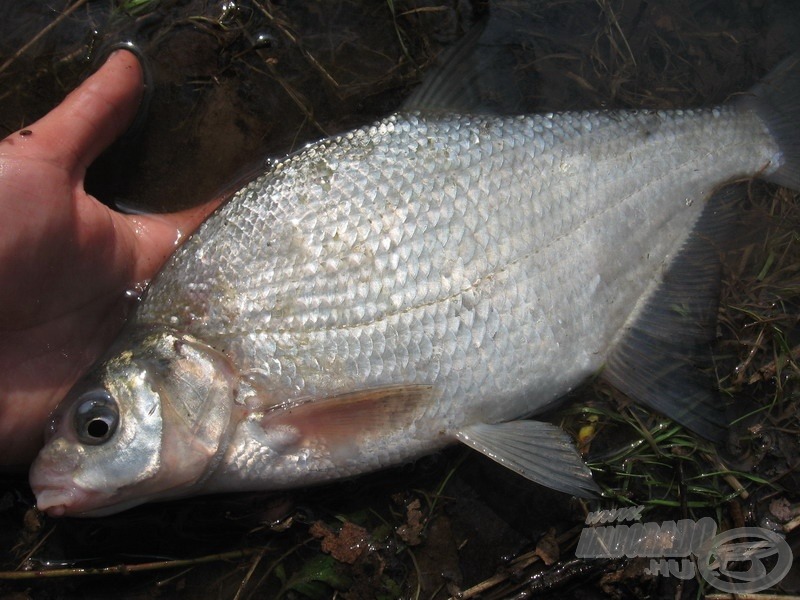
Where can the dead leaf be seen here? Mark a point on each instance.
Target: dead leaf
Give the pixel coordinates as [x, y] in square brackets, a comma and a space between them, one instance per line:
[411, 531]
[347, 546]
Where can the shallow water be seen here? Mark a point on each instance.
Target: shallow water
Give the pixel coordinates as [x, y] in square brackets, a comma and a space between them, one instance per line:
[235, 82]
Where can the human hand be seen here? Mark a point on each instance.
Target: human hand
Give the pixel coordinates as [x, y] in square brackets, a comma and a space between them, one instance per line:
[66, 260]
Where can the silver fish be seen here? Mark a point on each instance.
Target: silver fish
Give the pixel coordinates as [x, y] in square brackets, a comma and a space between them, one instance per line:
[427, 279]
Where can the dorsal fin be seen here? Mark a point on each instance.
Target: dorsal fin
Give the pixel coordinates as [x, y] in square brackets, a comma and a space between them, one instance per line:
[451, 85]
[480, 73]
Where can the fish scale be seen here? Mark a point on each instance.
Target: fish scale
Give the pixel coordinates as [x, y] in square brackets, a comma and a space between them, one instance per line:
[504, 333]
[428, 278]
[536, 225]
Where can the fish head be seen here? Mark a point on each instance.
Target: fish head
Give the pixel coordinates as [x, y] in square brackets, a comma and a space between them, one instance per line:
[149, 423]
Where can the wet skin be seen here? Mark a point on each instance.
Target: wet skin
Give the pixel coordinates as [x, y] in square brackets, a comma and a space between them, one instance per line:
[66, 260]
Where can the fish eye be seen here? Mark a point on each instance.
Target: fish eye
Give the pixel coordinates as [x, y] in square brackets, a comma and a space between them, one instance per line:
[96, 417]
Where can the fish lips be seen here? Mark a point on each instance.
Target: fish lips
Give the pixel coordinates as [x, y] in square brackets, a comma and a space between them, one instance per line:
[58, 495]
[52, 480]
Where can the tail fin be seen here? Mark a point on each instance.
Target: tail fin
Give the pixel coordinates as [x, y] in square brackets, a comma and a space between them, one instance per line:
[776, 99]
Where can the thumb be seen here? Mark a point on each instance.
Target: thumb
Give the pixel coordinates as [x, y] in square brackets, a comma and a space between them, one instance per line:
[158, 235]
[92, 116]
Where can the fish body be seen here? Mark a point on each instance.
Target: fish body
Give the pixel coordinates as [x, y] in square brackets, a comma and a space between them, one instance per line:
[386, 292]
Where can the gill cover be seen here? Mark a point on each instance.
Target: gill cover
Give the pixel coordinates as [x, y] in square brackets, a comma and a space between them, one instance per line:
[150, 422]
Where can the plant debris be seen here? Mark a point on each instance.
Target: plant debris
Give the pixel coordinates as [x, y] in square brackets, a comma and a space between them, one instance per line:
[346, 545]
[411, 531]
[547, 548]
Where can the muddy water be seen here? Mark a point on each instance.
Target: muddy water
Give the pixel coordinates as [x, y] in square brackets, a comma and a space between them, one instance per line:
[236, 82]
[232, 81]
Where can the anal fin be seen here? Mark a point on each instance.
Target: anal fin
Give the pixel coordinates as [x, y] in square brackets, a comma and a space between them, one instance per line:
[538, 451]
[664, 359]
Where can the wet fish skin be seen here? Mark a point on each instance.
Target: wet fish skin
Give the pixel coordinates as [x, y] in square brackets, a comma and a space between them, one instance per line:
[388, 288]
[388, 291]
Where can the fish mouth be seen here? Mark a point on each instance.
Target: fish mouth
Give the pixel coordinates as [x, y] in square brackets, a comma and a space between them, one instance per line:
[59, 499]
[54, 500]
[58, 495]
[67, 499]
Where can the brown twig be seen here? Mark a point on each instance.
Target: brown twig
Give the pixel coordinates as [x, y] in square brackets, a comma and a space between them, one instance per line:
[126, 569]
[521, 562]
[41, 34]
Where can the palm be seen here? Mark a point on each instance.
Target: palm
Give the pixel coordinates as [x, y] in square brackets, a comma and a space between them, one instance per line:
[65, 258]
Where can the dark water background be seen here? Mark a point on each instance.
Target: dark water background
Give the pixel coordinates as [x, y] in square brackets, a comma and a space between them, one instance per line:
[236, 82]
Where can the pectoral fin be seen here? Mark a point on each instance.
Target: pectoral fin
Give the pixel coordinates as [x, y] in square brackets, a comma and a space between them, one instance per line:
[538, 451]
[350, 415]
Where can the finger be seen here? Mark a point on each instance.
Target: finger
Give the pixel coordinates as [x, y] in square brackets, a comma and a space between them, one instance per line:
[91, 117]
[158, 235]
